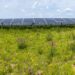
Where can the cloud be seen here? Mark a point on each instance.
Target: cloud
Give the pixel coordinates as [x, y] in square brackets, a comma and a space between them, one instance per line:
[6, 6]
[23, 10]
[37, 8]
[35, 4]
[65, 10]
[68, 9]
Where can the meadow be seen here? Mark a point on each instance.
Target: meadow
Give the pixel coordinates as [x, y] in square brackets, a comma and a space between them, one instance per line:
[37, 51]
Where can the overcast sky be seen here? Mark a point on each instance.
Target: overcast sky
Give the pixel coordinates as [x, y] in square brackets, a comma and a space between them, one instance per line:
[37, 8]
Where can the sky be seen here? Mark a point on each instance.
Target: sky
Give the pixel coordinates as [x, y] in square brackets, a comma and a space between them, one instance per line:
[37, 8]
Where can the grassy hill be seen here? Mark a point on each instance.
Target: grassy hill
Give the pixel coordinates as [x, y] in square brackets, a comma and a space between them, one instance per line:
[37, 51]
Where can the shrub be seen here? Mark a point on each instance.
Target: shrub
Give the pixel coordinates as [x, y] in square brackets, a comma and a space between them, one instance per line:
[40, 51]
[72, 46]
[73, 36]
[21, 43]
[9, 69]
[49, 37]
[52, 52]
[2, 73]
[30, 71]
[54, 69]
[39, 72]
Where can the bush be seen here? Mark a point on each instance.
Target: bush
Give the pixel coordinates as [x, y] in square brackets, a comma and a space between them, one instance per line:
[40, 51]
[21, 43]
[9, 69]
[30, 71]
[2, 73]
[72, 46]
[73, 36]
[39, 72]
[49, 37]
[52, 52]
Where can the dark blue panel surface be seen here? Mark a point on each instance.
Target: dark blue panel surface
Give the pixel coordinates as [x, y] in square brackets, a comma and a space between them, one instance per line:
[28, 21]
[17, 22]
[1, 20]
[50, 21]
[7, 21]
[37, 21]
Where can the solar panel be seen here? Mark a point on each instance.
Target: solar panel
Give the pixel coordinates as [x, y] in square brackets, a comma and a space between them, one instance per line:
[17, 22]
[72, 21]
[63, 21]
[6, 21]
[37, 21]
[1, 21]
[27, 21]
[45, 21]
[67, 21]
[60, 21]
[50, 21]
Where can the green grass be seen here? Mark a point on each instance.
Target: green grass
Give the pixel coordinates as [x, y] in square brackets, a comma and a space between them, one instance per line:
[37, 51]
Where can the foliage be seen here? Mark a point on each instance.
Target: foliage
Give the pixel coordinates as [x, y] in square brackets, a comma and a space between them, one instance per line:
[46, 51]
[21, 43]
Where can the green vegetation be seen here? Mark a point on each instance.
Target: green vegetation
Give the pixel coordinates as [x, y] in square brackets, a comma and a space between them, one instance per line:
[21, 43]
[37, 51]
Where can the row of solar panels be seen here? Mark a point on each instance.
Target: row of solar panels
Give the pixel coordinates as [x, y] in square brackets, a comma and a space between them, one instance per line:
[37, 21]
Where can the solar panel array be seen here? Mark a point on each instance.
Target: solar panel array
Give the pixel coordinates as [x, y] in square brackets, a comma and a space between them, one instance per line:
[37, 21]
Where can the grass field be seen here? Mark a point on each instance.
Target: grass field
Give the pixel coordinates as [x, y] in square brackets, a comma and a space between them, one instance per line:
[37, 51]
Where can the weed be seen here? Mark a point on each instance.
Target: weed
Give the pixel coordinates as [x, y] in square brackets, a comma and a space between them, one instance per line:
[40, 51]
[72, 46]
[73, 36]
[30, 71]
[49, 37]
[39, 72]
[21, 43]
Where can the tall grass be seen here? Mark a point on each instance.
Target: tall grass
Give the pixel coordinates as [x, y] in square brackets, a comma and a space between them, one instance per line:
[48, 51]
